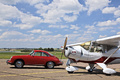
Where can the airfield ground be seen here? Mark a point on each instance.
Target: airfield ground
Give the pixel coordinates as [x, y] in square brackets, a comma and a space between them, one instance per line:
[8, 72]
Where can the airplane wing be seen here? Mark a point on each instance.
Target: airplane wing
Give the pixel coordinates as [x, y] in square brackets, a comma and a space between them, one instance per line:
[80, 44]
[76, 44]
[113, 40]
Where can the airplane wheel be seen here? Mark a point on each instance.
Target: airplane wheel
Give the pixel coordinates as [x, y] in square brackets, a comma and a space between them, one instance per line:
[90, 70]
[70, 72]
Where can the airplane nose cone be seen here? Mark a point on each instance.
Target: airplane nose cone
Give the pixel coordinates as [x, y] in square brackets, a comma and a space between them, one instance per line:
[66, 52]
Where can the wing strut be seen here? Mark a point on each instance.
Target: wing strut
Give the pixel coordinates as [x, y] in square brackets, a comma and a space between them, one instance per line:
[111, 54]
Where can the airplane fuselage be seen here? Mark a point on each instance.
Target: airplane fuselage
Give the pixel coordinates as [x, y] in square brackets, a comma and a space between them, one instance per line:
[79, 54]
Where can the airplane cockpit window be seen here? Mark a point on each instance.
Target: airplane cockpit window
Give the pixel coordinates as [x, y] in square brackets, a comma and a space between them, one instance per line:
[106, 48]
[86, 45]
[92, 47]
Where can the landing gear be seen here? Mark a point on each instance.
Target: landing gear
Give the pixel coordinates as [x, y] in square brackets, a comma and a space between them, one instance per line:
[70, 72]
[90, 70]
[71, 69]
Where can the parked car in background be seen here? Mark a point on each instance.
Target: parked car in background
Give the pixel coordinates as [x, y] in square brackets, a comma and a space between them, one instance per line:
[36, 57]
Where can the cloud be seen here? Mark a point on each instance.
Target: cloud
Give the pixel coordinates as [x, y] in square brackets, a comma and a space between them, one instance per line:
[112, 10]
[5, 23]
[11, 16]
[108, 10]
[105, 28]
[8, 12]
[23, 26]
[10, 1]
[90, 29]
[94, 5]
[40, 31]
[109, 22]
[118, 33]
[102, 36]
[60, 9]
[31, 2]
[14, 36]
[74, 27]
[58, 26]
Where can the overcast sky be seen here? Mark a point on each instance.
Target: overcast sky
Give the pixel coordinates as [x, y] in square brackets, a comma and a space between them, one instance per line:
[46, 23]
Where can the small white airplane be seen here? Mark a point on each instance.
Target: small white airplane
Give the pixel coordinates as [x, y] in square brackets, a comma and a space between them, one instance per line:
[100, 52]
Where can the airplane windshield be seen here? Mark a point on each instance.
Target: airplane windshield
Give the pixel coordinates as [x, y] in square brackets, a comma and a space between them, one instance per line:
[86, 45]
[92, 47]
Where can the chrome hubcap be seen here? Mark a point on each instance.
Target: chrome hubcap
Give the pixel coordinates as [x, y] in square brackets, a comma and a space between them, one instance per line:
[50, 64]
[19, 64]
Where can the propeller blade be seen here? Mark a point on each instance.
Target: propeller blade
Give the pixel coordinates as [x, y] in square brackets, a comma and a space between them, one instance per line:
[65, 43]
[63, 51]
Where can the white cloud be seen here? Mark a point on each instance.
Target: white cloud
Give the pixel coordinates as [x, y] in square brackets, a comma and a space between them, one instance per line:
[10, 1]
[118, 33]
[13, 35]
[117, 13]
[70, 18]
[29, 19]
[108, 10]
[58, 9]
[94, 5]
[74, 27]
[40, 31]
[31, 2]
[11, 12]
[58, 26]
[113, 10]
[90, 29]
[102, 36]
[105, 28]
[109, 22]
[23, 26]
[5, 23]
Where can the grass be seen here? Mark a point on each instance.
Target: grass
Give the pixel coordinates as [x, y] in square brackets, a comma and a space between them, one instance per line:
[8, 55]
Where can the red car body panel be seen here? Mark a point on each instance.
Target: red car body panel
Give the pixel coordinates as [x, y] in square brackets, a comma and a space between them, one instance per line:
[35, 60]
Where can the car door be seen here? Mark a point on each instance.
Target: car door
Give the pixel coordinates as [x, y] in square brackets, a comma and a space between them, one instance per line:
[40, 58]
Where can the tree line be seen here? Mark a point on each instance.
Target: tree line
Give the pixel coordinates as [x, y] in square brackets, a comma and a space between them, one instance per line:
[45, 49]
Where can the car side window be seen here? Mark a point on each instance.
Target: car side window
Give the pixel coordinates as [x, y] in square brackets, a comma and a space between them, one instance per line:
[38, 53]
[44, 54]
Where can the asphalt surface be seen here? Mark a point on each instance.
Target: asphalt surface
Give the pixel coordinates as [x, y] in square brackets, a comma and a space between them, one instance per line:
[8, 72]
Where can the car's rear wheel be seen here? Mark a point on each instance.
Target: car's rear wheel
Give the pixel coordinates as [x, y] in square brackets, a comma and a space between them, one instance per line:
[50, 65]
[19, 64]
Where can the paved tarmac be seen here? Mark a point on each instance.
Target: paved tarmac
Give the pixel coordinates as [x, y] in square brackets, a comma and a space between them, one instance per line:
[8, 72]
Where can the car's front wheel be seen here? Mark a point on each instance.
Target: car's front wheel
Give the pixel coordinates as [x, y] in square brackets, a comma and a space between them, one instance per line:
[50, 65]
[19, 64]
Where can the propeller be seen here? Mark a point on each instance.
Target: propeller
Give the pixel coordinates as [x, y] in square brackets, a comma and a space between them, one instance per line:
[63, 51]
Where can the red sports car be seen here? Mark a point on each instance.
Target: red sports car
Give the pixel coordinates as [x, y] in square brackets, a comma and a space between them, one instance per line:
[36, 57]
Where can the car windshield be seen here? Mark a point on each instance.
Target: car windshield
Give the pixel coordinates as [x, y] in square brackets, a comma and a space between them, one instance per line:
[31, 53]
[51, 54]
